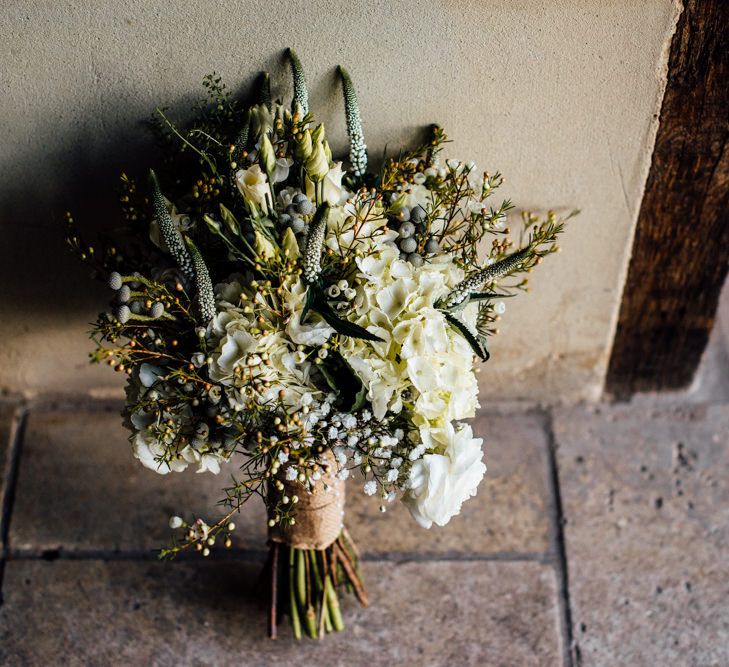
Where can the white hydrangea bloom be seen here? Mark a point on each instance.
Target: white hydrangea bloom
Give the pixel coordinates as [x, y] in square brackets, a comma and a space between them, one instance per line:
[442, 480]
[421, 350]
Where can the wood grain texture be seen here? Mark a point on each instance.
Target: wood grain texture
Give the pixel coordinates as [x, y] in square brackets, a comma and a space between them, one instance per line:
[681, 247]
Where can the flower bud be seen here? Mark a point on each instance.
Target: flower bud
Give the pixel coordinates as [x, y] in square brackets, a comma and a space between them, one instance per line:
[268, 155]
[262, 119]
[317, 136]
[317, 165]
[327, 151]
[304, 147]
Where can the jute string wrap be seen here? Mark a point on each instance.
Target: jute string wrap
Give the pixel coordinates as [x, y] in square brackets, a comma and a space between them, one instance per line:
[319, 513]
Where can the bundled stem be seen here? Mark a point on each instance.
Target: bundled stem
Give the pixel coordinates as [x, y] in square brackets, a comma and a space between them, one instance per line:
[307, 590]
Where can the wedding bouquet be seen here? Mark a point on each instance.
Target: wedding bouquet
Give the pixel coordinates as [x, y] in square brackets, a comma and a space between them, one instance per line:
[294, 323]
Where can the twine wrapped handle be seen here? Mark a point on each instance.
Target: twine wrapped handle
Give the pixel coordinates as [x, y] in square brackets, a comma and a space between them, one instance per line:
[319, 513]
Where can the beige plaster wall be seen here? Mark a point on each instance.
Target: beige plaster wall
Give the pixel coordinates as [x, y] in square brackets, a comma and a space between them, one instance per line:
[559, 95]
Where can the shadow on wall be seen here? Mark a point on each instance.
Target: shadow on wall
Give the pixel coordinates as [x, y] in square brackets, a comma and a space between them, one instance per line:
[80, 173]
[77, 173]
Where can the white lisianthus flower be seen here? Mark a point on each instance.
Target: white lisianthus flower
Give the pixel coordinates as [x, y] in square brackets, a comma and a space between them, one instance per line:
[333, 184]
[209, 463]
[253, 185]
[281, 173]
[418, 195]
[334, 193]
[442, 480]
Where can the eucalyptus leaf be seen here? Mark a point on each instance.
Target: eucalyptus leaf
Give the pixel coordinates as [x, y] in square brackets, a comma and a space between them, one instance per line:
[360, 400]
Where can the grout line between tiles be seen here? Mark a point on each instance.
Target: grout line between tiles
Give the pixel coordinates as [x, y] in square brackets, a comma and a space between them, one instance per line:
[11, 477]
[571, 654]
[259, 555]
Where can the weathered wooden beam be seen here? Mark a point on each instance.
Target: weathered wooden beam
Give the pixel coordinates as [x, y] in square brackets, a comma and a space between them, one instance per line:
[681, 247]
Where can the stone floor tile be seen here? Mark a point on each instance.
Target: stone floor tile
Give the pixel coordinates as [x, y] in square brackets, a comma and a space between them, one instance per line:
[7, 425]
[88, 613]
[80, 488]
[645, 493]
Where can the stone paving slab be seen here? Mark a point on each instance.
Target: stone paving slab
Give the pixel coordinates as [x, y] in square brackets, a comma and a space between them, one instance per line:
[645, 494]
[7, 425]
[89, 613]
[79, 489]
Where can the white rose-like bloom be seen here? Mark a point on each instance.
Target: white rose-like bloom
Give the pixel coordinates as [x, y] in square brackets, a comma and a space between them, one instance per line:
[253, 185]
[442, 480]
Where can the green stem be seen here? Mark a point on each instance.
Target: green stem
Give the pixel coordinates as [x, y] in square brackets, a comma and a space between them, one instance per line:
[310, 614]
[295, 622]
[327, 618]
[310, 623]
[333, 604]
[315, 568]
[300, 577]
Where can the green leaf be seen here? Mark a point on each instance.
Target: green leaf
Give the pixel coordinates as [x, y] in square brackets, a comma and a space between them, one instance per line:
[330, 378]
[230, 220]
[308, 303]
[344, 382]
[472, 339]
[342, 326]
[483, 296]
[484, 340]
[360, 399]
